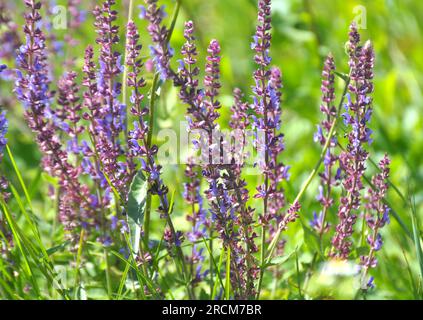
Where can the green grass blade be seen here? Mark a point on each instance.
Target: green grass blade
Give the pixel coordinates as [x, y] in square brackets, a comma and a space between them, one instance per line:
[17, 237]
[416, 237]
[214, 263]
[123, 281]
[18, 174]
[78, 262]
[228, 275]
[218, 269]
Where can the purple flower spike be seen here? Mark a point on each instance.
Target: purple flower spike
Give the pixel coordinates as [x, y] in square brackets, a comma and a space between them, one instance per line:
[266, 119]
[32, 88]
[3, 131]
[353, 160]
[161, 51]
[226, 191]
[198, 218]
[377, 214]
[138, 144]
[110, 118]
[69, 113]
[3, 141]
[327, 177]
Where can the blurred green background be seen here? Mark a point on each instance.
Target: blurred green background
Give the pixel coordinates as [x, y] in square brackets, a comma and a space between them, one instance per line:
[304, 32]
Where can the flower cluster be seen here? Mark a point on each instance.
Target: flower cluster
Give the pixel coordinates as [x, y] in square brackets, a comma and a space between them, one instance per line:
[160, 50]
[226, 191]
[111, 118]
[68, 114]
[376, 218]
[94, 146]
[3, 130]
[328, 179]
[137, 138]
[138, 143]
[352, 161]
[198, 220]
[247, 262]
[92, 112]
[3, 123]
[3, 142]
[267, 121]
[32, 88]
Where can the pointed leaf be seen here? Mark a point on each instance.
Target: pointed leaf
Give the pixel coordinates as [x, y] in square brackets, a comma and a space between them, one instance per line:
[137, 200]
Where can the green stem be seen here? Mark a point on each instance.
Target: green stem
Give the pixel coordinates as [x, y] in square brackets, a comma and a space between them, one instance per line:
[108, 280]
[78, 262]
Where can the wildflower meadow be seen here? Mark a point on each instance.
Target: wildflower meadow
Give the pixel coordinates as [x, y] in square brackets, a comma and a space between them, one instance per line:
[211, 150]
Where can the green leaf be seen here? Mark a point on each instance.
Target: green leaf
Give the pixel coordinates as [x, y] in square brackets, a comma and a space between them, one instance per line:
[137, 200]
[57, 248]
[343, 76]
[280, 259]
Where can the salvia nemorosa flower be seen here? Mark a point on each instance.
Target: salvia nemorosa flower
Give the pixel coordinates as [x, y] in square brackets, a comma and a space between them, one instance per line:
[267, 122]
[328, 178]
[3, 122]
[203, 112]
[377, 215]
[249, 269]
[3, 131]
[188, 71]
[62, 120]
[189, 93]
[198, 219]
[32, 89]
[139, 146]
[136, 82]
[67, 118]
[68, 114]
[353, 159]
[3, 141]
[267, 118]
[111, 118]
[161, 51]
[91, 103]
[218, 195]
